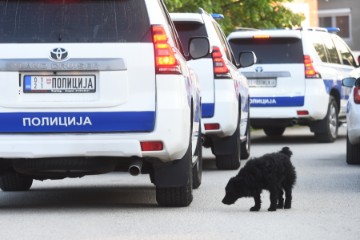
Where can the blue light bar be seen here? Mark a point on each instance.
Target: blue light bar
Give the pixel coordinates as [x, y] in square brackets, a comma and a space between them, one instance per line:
[333, 29]
[217, 16]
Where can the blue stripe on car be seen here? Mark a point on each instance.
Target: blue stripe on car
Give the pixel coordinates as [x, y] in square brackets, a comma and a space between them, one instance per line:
[277, 101]
[208, 110]
[66, 122]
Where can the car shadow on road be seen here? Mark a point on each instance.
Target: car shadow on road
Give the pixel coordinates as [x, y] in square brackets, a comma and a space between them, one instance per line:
[289, 139]
[80, 198]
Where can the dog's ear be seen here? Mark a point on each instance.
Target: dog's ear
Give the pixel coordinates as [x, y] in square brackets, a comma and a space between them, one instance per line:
[286, 151]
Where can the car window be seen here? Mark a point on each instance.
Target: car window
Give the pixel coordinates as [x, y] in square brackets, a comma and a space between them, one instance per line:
[270, 50]
[319, 48]
[331, 51]
[222, 40]
[187, 29]
[345, 54]
[44, 21]
[174, 33]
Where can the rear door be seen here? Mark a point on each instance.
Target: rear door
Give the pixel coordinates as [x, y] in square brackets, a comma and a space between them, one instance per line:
[76, 66]
[277, 79]
[204, 66]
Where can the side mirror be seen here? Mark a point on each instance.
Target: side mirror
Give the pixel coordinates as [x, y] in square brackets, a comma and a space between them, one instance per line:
[247, 59]
[349, 82]
[199, 47]
[357, 82]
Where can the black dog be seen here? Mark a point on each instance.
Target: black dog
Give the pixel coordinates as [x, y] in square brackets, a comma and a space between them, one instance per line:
[273, 172]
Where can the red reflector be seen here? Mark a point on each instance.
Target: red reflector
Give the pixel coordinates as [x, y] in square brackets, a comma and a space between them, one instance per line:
[302, 113]
[152, 146]
[212, 126]
[357, 95]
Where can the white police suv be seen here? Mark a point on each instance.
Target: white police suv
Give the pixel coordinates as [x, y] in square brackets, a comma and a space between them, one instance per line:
[297, 79]
[353, 118]
[224, 90]
[91, 86]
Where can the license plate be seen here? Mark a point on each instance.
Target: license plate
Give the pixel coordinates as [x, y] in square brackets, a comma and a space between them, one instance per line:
[265, 82]
[59, 84]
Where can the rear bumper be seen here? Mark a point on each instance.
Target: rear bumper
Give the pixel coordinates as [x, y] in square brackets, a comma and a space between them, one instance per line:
[315, 102]
[172, 127]
[226, 109]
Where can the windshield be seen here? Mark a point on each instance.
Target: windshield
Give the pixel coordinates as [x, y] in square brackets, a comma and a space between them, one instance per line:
[270, 50]
[49, 21]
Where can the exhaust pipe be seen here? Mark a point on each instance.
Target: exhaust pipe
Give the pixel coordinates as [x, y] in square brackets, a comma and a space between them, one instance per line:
[135, 167]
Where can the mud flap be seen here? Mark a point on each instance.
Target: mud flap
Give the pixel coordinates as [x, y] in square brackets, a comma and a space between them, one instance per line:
[174, 174]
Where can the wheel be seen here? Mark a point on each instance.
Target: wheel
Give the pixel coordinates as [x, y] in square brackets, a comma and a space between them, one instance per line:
[177, 196]
[329, 125]
[197, 168]
[245, 145]
[352, 152]
[13, 181]
[274, 131]
[230, 161]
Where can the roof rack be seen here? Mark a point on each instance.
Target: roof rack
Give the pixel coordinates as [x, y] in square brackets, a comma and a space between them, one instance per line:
[216, 16]
[243, 29]
[319, 29]
[322, 29]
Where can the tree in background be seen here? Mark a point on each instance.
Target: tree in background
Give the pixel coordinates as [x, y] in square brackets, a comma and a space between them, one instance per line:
[262, 14]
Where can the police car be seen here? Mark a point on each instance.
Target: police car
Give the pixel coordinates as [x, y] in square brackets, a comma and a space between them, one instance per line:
[224, 90]
[353, 118]
[88, 87]
[297, 79]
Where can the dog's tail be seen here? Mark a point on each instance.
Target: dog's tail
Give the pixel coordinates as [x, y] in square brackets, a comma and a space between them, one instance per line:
[286, 151]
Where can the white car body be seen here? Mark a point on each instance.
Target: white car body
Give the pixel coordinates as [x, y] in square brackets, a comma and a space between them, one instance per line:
[224, 97]
[353, 118]
[294, 83]
[135, 101]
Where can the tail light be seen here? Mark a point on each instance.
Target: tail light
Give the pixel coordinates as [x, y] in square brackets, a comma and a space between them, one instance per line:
[357, 95]
[165, 60]
[220, 68]
[310, 71]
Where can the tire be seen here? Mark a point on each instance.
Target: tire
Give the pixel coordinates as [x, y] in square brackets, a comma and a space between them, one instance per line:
[329, 125]
[177, 196]
[12, 181]
[274, 131]
[197, 168]
[230, 161]
[246, 145]
[352, 152]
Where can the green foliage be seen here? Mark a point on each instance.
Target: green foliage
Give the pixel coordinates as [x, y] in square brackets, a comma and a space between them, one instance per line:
[262, 14]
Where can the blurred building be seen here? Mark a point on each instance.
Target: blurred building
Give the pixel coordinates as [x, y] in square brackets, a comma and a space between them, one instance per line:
[308, 8]
[343, 14]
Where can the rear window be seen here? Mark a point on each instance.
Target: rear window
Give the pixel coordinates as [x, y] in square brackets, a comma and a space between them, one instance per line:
[50, 21]
[186, 30]
[271, 50]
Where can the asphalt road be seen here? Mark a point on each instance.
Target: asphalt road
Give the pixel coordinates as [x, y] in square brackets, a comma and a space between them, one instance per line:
[326, 203]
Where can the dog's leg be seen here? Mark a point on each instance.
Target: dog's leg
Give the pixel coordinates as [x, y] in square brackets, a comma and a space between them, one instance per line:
[288, 198]
[273, 200]
[280, 199]
[257, 206]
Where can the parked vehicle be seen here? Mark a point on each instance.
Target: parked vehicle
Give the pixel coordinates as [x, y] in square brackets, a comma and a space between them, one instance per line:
[90, 86]
[353, 118]
[297, 79]
[224, 90]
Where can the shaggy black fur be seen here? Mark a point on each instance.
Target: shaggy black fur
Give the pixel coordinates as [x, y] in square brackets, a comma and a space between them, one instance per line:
[273, 172]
